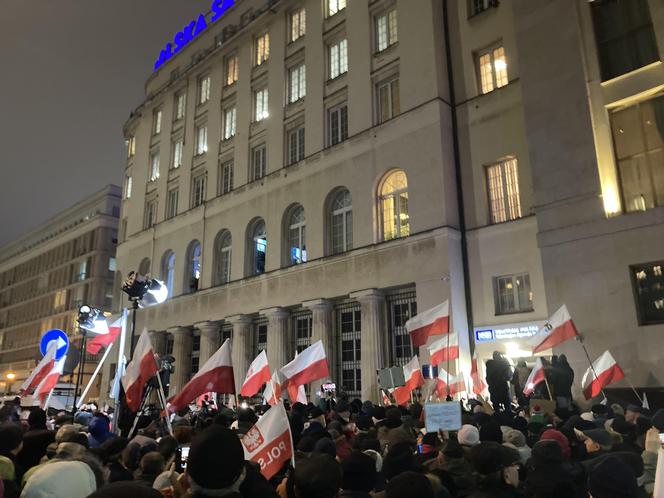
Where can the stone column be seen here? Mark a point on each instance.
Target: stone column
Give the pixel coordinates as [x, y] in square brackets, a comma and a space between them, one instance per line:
[182, 355]
[241, 347]
[373, 340]
[321, 330]
[209, 339]
[158, 339]
[278, 348]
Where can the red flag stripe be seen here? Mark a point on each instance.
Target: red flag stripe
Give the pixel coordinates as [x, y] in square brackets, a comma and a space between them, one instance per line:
[439, 326]
[605, 378]
[134, 392]
[219, 380]
[103, 340]
[565, 331]
[315, 371]
[254, 383]
[445, 354]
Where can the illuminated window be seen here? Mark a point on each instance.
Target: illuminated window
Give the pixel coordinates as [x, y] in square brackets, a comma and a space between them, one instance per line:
[638, 139]
[394, 206]
[388, 99]
[334, 6]
[337, 124]
[193, 267]
[128, 185]
[180, 105]
[204, 89]
[150, 215]
[198, 190]
[298, 23]
[156, 122]
[260, 104]
[154, 166]
[172, 203]
[261, 49]
[226, 177]
[341, 222]
[168, 270]
[232, 69]
[258, 162]
[402, 307]
[297, 245]
[492, 69]
[131, 146]
[512, 294]
[295, 145]
[230, 122]
[297, 83]
[177, 154]
[386, 30]
[201, 140]
[258, 243]
[503, 188]
[478, 6]
[338, 58]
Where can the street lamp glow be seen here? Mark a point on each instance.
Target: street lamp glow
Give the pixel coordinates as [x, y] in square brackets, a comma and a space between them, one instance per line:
[10, 375]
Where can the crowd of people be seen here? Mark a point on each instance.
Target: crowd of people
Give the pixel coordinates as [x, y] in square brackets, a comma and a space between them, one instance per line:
[343, 448]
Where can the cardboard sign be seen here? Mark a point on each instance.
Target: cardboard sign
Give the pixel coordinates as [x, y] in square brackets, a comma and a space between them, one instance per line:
[442, 416]
[547, 406]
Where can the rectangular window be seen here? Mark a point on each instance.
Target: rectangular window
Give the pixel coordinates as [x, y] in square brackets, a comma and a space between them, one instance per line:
[204, 89]
[198, 191]
[260, 336]
[648, 283]
[298, 24]
[232, 69]
[338, 57]
[388, 100]
[261, 49]
[492, 69]
[230, 122]
[177, 154]
[226, 176]
[201, 140]
[180, 105]
[638, 140]
[503, 187]
[260, 104]
[297, 83]
[128, 185]
[334, 6]
[150, 216]
[131, 146]
[512, 294]
[302, 330]
[172, 203]
[477, 6]
[624, 34]
[156, 122]
[258, 162]
[337, 123]
[386, 30]
[154, 166]
[349, 333]
[402, 307]
[296, 145]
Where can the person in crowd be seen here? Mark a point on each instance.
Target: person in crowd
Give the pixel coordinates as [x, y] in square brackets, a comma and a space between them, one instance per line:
[409, 484]
[358, 476]
[548, 474]
[562, 383]
[71, 479]
[99, 430]
[612, 478]
[35, 442]
[632, 413]
[498, 373]
[498, 469]
[519, 378]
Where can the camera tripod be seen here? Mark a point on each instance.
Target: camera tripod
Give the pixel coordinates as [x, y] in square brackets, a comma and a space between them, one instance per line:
[142, 410]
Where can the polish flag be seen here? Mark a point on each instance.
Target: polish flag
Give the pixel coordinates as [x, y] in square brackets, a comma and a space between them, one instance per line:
[536, 376]
[269, 443]
[308, 366]
[608, 372]
[557, 330]
[272, 393]
[43, 368]
[386, 398]
[104, 340]
[140, 369]
[258, 374]
[413, 374]
[444, 349]
[50, 380]
[297, 394]
[215, 376]
[475, 375]
[401, 395]
[457, 383]
[434, 321]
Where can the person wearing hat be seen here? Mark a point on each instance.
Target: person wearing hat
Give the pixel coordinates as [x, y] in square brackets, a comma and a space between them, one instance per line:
[498, 469]
[549, 475]
[468, 437]
[318, 475]
[597, 442]
[612, 478]
[517, 440]
[459, 468]
[632, 413]
[359, 476]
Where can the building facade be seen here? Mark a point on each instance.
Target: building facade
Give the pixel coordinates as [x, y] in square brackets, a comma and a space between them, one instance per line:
[311, 169]
[48, 273]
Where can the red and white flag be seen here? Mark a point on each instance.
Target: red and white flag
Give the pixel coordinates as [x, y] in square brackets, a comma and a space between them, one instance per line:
[269, 443]
[457, 383]
[50, 381]
[297, 394]
[476, 376]
[140, 369]
[608, 371]
[386, 398]
[308, 366]
[536, 376]
[272, 393]
[99, 341]
[401, 395]
[215, 376]
[557, 330]
[42, 369]
[412, 373]
[444, 349]
[257, 375]
[434, 321]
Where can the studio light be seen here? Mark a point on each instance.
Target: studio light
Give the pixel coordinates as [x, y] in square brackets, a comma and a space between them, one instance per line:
[92, 320]
[145, 291]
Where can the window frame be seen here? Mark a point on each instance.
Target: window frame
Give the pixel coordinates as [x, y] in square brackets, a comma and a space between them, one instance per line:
[224, 253]
[180, 111]
[511, 212]
[178, 150]
[518, 308]
[231, 69]
[339, 6]
[342, 135]
[226, 180]
[339, 67]
[229, 134]
[395, 194]
[388, 83]
[299, 30]
[297, 82]
[128, 186]
[262, 102]
[296, 233]
[198, 190]
[131, 146]
[254, 237]
[155, 166]
[642, 314]
[261, 147]
[172, 203]
[389, 42]
[201, 129]
[150, 212]
[495, 80]
[157, 121]
[204, 89]
[261, 48]
[300, 134]
[346, 213]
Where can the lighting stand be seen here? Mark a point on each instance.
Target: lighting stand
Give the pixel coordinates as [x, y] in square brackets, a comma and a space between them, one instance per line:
[81, 365]
[145, 402]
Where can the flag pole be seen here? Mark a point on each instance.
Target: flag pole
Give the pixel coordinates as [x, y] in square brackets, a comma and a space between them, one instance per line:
[546, 381]
[48, 399]
[633, 389]
[447, 387]
[585, 350]
[94, 375]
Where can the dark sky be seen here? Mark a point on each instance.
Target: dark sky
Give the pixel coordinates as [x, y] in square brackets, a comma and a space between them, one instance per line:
[70, 73]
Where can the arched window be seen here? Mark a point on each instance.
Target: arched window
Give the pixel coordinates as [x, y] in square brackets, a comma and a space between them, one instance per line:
[144, 267]
[341, 222]
[168, 270]
[394, 206]
[296, 236]
[222, 258]
[257, 247]
[193, 269]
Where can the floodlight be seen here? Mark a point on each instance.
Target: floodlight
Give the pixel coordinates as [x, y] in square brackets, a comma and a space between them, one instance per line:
[92, 320]
[145, 291]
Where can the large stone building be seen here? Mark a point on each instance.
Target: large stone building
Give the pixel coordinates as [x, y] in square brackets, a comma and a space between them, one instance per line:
[48, 273]
[303, 170]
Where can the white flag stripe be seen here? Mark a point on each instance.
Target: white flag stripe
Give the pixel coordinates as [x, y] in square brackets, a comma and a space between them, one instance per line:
[428, 316]
[313, 354]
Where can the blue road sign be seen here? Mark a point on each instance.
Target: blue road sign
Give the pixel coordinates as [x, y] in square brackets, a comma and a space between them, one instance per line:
[55, 335]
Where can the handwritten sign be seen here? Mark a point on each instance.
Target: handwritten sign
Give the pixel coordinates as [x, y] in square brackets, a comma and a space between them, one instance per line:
[442, 416]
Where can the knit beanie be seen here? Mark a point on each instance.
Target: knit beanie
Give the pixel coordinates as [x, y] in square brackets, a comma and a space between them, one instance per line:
[552, 434]
[468, 435]
[612, 478]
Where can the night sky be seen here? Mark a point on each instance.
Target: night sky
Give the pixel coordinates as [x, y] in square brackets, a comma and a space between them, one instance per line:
[70, 73]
